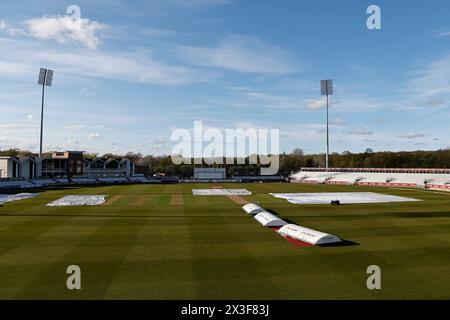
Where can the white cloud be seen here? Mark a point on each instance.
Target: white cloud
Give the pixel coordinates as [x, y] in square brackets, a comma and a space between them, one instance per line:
[316, 104]
[73, 142]
[94, 136]
[4, 27]
[433, 102]
[19, 58]
[195, 3]
[88, 92]
[361, 132]
[337, 121]
[11, 68]
[30, 117]
[64, 29]
[243, 54]
[74, 127]
[158, 32]
[19, 126]
[411, 136]
[158, 141]
[261, 99]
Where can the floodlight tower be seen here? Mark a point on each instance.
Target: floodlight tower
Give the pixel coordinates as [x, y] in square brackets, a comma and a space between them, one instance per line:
[45, 79]
[326, 87]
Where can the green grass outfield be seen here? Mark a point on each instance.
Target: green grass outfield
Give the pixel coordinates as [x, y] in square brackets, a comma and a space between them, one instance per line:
[142, 246]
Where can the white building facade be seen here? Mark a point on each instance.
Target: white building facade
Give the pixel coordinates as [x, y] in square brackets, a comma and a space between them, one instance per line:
[67, 164]
[18, 167]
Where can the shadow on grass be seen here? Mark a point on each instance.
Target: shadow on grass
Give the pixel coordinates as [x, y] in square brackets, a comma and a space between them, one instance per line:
[273, 212]
[278, 215]
[343, 243]
[114, 216]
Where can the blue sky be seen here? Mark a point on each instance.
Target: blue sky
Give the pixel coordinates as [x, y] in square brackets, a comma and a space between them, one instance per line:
[135, 71]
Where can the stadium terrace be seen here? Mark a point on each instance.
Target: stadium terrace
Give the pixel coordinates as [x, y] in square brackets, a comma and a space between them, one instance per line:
[73, 167]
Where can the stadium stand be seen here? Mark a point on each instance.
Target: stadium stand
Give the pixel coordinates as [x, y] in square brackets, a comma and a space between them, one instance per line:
[259, 178]
[113, 179]
[423, 178]
[63, 180]
[15, 184]
[139, 179]
[84, 180]
[44, 182]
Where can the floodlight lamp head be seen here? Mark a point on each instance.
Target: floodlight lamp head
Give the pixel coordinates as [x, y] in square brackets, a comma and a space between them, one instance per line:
[45, 77]
[326, 87]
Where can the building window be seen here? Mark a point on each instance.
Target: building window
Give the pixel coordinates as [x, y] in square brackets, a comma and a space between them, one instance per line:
[97, 165]
[112, 165]
[79, 167]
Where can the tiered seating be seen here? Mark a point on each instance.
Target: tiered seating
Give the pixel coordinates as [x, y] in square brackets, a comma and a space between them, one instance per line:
[83, 180]
[418, 179]
[259, 178]
[442, 180]
[318, 177]
[138, 179]
[375, 178]
[390, 178]
[15, 184]
[113, 179]
[43, 182]
[63, 180]
[299, 176]
[343, 178]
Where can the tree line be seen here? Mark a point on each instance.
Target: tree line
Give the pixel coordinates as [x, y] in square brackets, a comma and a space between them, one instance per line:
[289, 163]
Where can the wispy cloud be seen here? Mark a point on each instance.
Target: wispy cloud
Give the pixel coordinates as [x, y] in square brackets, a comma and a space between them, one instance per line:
[316, 104]
[94, 136]
[411, 136]
[18, 57]
[243, 54]
[12, 31]
[442, 32]
[432, 82]
[197, 3]
[361, 132]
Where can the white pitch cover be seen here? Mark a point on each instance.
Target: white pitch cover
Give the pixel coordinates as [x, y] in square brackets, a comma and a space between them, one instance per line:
[307, 235]
[269, 220]
[253, 209]
[343, 197]
[221, 192]
[93, 200]
[16, 197]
